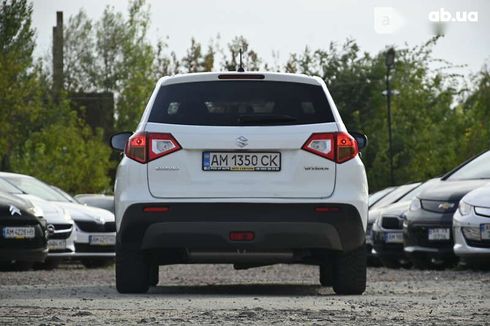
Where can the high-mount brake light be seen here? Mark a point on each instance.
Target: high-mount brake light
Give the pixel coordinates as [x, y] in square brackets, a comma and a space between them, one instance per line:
[241, 76]
[337, 146]
[144, 147]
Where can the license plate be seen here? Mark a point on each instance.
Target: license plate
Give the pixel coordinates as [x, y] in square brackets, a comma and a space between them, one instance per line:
[394, 237]
[439, 234]
[232, 161]
[485, 231]
[102, 240]
[27, 232]
[56, 244]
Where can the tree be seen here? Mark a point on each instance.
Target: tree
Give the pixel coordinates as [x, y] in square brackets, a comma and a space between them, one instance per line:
[20, 96]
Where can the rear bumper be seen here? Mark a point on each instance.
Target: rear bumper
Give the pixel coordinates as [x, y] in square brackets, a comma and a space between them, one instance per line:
[206, 226]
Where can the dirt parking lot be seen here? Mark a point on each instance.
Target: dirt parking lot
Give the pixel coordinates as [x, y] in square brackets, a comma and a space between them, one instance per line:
[207, 294]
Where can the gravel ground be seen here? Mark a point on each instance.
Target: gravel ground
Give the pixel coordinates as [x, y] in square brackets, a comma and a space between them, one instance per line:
[217, 294]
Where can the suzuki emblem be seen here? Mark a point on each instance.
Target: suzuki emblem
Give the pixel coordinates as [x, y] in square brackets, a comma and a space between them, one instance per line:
[241, 141]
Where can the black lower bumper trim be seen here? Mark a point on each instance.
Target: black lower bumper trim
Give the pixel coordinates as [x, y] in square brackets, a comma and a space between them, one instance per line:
[275, 226]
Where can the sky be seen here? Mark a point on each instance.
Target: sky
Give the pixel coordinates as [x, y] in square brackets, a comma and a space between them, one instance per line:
[286, 26]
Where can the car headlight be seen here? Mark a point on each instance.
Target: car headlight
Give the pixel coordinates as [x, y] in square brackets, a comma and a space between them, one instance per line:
[465, 208]
[471, 233]
[415, 204]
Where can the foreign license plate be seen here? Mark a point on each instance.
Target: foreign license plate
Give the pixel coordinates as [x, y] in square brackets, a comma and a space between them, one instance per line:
[249, 161]
[485, 231]
[394, 237]
[102, 240]
[56, 244]
[439, 234]
[16, 232]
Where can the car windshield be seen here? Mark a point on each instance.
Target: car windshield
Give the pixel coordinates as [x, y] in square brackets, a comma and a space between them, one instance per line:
[6, 186]
[478, 168]
[378, 195]
[395, 195]
[66, 195]
[237, 103]
[37, 188]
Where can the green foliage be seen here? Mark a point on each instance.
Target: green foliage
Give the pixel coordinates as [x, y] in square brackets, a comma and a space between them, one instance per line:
[437, 120]
[67, 155]
[39, 136]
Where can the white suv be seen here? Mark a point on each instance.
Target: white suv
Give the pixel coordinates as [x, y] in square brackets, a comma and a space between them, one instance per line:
[250, 169]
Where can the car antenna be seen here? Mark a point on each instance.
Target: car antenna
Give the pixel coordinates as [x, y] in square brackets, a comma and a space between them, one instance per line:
[240, 68]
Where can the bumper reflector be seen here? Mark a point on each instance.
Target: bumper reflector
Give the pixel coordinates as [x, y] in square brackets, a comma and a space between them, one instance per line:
[155, 209]
[327, 209]
[242, 236]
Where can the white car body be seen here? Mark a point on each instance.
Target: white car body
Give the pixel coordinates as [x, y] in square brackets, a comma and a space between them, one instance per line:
[249, 169]
[60, 226]
[140, 183]
[93, 216]
[473, 215]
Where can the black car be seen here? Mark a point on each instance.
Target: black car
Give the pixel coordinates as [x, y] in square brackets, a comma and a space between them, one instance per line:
[387, 229]
[23, 234]
[393, 196]
[427, 236]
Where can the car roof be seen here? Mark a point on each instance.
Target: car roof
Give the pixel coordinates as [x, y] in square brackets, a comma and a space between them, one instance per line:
[214, 76]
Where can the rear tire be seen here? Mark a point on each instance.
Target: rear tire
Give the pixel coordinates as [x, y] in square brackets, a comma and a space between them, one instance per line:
[349, 272]
[132, 270]
[153, 278]
[326, 274]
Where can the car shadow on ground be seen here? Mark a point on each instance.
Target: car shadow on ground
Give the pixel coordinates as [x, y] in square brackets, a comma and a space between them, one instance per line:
[243, 289]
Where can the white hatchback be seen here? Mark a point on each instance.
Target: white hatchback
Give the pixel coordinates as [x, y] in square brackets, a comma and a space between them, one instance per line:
[471, 227]
[250, 169]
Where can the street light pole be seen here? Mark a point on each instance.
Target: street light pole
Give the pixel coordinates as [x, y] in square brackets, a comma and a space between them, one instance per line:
[390, 62]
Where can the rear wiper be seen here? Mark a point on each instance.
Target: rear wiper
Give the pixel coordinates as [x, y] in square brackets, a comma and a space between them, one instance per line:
[265, 118]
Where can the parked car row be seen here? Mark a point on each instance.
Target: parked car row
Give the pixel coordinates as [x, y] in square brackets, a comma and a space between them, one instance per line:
[436, 223]
[64, 228]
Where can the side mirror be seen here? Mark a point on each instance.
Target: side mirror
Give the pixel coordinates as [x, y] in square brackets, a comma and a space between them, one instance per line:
[361, 139]
[119, 140]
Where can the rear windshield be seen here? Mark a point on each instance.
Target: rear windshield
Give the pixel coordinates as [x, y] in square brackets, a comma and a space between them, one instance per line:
[237, 103]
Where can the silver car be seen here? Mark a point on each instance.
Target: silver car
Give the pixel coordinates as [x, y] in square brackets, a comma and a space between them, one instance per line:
[471, 227]
[94, 227]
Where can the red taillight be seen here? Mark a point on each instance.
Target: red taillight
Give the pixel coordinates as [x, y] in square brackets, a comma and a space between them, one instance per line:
[161, 209]
[242, 236]
[144, 147]
[337, 146]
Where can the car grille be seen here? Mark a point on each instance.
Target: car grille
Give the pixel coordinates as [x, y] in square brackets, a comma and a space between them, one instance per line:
[392, 223]
[83, 247]
[91, 226]
[439, 206]
[62, 231]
